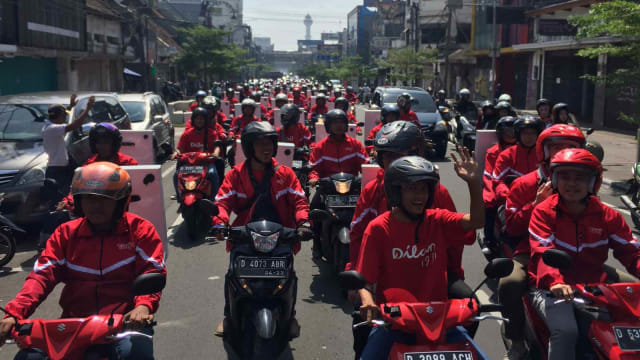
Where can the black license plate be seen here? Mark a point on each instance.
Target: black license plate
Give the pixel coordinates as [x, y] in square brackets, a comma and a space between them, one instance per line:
[262, 267]
[190, 170]
[628, 337]
[439, 355]
[342, 200]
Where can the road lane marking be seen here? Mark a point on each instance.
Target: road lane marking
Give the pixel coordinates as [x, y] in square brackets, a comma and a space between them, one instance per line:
[168, 170]
[617, 208]
[484, 298]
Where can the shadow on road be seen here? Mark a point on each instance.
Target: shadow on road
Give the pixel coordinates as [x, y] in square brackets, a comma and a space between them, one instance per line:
[179, 237]
[324, 288]
[287, 354]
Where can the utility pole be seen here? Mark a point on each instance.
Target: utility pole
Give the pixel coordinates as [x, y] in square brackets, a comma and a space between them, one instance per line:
[447, 51]
[494, 53]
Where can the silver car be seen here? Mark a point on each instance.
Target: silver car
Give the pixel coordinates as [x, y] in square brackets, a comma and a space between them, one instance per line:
[149, 112]
[22, 158]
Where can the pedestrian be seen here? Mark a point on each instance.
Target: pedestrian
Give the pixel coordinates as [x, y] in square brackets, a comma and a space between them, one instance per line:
[53, 132]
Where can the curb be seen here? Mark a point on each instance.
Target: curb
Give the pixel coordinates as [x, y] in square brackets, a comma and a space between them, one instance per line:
[623, 185]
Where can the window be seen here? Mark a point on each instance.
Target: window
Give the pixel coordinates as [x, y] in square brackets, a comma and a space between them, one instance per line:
[116, 110]
[22, 122]
[137, 110]
[99, 112]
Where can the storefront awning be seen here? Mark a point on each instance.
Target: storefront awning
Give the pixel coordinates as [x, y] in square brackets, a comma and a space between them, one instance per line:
[566, 44]
[131, 72]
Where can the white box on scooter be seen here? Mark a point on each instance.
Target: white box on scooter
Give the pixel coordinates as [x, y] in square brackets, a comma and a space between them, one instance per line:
[139, 145]
[484, 140]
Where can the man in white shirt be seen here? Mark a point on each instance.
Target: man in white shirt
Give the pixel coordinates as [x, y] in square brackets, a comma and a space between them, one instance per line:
[53, 133]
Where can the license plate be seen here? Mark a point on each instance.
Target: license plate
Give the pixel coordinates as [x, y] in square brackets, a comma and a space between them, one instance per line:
[190, 170]
[628, 337]
[439, 355]
[262, 267]
[342, 200]
[296, 164]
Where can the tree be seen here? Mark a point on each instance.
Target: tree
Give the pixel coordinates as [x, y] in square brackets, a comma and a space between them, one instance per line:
[407, 65]
[619, 19]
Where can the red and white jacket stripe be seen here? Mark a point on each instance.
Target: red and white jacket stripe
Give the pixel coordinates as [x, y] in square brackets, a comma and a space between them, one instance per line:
[97, 270]
[516, 160]
[587, 239]
[330, 157]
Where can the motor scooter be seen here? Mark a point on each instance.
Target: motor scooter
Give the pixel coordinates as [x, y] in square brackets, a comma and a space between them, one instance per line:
[631, 200]
[608, 318]
[431, 321]
[71, 338]
[194, 186]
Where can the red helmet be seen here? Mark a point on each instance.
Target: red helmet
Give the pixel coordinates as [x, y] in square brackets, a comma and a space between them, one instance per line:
[556, 133]
[581, 159]
[297, 88]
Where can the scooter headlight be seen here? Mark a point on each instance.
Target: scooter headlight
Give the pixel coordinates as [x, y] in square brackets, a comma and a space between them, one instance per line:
[342, 187]
[265, 243]
[190, 185]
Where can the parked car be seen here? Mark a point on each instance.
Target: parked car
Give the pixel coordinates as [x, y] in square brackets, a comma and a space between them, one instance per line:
[22, 158]
[149, 112]
[433, 127]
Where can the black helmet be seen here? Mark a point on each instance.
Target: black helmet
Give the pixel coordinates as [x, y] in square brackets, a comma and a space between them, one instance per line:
[543, 101]
[199, 111]
[105, 129]
[527, 122]
[556, 110]
[389, 109]
[254, 131]
[343, 101]
[334, 115]
[503, 105]
[289, 114]
[256, 96]
[487, 104]
[229, 90]
[397, 137]
[504, 123]
[408, 170]
[349, 89]
[321, 96]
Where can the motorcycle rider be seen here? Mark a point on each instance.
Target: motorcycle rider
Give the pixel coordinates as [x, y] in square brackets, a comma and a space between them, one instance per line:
[504, 109]
[292, 130]
[526, 192]
[257, 97]
[519, 159]
[239, 122]
[588, 229]
[200, 95]
[320, 108]
[281, 100]
[412, 224]
[200, 138]
[506, 138]
[441, 99]
[404, 104]
[128, 245]
[343, 104]
[489, 118]
[214, 117]
[337, 93]
[336, 153]
[561, 115]
[297, 96]
[543, 107]
[465, 106]
[505, 97]
[229, 95]
[388, 114]
[350, 95]
[261, 188]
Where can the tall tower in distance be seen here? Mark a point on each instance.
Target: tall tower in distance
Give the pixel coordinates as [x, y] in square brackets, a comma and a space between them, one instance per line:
[308, 22]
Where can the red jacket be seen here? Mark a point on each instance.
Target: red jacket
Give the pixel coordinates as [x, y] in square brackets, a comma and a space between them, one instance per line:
[193, 141]
[298, 134]
[329, 157]
[373, 202]
[300, 101]
[238, 123]
[271, 116]
[488, 196]
[587, 239]
[519, 207]
[315, 110]
[219, 130]
[263, 111]
[119, 159]
[193, 106]
[516, 160]
[410, 116]
[353, 99]
[372, 135]
[232, 102]
[287, 196]
[97, 271]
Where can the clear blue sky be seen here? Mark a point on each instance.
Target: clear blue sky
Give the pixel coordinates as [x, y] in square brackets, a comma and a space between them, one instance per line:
[282, 20]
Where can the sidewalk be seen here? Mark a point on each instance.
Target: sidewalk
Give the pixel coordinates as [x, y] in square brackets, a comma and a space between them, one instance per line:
[619, 157]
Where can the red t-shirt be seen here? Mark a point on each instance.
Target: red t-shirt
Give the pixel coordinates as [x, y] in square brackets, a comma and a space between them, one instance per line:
[390, 258]
[193, 140]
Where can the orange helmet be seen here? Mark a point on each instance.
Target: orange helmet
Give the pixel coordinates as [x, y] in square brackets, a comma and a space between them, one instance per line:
[103, 179]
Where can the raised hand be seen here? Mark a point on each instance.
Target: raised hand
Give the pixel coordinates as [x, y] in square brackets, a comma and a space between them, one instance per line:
[466, 167]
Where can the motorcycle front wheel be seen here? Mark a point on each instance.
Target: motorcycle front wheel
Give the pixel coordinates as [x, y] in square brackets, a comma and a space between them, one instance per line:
[7, 248]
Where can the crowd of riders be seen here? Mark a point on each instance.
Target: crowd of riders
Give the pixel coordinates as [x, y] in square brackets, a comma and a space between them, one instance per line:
[537, 191]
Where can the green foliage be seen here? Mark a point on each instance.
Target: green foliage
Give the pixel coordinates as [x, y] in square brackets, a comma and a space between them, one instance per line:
[407, 65]
[619, 19]
[346, 68]
[207, 53]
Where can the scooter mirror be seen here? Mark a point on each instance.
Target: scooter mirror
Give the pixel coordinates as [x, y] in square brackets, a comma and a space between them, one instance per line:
[590, 131]
[208, 207]
[351, 280]
[317, 215]
[498, 268]
[557, 259]
[147, 284]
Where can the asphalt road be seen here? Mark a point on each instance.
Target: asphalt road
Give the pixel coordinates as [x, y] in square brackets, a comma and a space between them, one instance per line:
[192, 303]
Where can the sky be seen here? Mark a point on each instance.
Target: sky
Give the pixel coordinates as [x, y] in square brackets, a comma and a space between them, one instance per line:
[282, 20]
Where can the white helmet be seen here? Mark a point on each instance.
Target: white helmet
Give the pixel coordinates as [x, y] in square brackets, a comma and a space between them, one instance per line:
[505, 97]
[248, 102]
[464, 91]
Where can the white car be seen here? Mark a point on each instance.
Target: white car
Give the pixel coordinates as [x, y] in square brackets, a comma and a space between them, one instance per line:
[149, 112]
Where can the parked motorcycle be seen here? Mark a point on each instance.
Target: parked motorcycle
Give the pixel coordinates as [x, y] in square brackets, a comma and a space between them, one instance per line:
[339, 194]
[70, 338]
[194, 186]
[403, 312]
[607, 317]
[8, 233]
[261, 286]
[632, 198]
